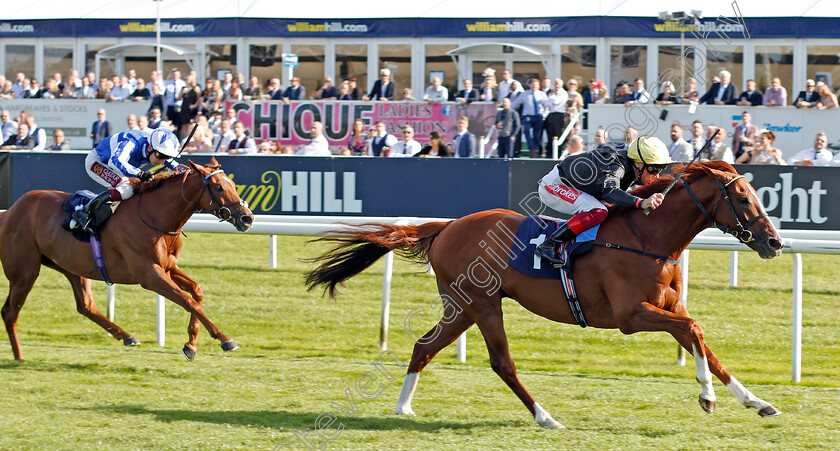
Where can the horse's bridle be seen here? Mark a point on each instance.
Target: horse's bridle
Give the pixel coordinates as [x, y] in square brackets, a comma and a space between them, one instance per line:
[223, 212]
[741, 233]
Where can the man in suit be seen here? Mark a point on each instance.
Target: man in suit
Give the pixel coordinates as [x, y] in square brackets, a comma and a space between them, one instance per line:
[743, 139]
[154, 118]
[680, 150]
[508, 124]
[468, 94]
[809, 97]
[274, 92]
[589, 96]
[721, 93]
[464, 143]
[383, 89]
[719, 150]
[101, 129]
[295, 91]
[534, 104]
[752, 96]
[22, 141]
[241, 143]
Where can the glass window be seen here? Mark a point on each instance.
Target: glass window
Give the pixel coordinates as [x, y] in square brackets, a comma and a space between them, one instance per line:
[824, 65]
[266, 62]
[526, 70]
[106, 70]
[627, 63]
[20, 58]
[351, 61]
[578, 62]
[58, 58]
[397, 58]
[775, 61]
[676, 64]
[310, 68]
[438, 61]
[221, 57]
[725, 57]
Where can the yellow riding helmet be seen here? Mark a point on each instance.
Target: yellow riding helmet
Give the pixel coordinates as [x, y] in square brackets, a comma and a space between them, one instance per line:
[649, 150]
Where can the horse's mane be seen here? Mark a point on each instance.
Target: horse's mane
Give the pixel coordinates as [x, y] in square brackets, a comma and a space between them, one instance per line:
[154, 183]
[714, 169]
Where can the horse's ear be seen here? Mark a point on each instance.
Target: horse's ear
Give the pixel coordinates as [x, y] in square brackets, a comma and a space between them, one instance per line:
[213, 163]
[195, 167]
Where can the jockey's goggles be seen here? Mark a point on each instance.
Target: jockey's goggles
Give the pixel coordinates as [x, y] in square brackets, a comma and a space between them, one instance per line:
[655, 168]
[160, 156]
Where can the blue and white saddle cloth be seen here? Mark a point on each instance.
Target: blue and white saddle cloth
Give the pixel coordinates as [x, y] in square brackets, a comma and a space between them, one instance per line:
[531, 233]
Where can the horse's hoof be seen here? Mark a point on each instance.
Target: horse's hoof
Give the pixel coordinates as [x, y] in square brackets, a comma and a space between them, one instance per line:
[131, 341]
[404, 410]
[769, 411]
[189, 353]
[708, 406]
[230, 346]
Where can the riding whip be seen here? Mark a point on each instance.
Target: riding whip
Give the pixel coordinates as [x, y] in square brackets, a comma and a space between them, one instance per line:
[674, 182]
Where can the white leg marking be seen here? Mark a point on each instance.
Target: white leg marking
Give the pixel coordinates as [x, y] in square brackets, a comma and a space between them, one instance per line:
[544, 419]
[409, 385]
[745, 396]
[704, 376]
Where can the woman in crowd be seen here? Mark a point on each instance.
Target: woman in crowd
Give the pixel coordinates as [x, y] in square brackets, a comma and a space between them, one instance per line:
[191, 101]
[690, 94]
[235, 92]
[344, 91]
[358, 138]
[435, 148]
[763, 152]
[214, 99]
[667, 97]
[827, 98]
[202, 140]
[407, 95]
[574, 95]
[602, 97]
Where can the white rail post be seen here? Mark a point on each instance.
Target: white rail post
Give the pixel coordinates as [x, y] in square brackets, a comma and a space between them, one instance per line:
[733, 268]
[481, 144]
[797, 318]
[683, 299]
[161, 320]
[272, 251]
[386, 300]
[462, 347]
[112, 301]
[555, 148]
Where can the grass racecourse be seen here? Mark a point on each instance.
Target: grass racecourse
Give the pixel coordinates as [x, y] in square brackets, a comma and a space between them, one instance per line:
[301, 354]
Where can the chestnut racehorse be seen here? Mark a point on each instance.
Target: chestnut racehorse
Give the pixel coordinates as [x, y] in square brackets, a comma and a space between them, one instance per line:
[141, 244]
[617, 289]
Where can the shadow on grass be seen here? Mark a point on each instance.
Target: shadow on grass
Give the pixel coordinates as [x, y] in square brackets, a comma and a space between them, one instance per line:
[280, 419]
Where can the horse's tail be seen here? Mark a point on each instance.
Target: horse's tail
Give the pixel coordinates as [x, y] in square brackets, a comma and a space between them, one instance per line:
[361, 246]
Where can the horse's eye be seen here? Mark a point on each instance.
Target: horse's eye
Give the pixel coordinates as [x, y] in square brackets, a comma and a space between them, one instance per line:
[219, 188]
[744, 200]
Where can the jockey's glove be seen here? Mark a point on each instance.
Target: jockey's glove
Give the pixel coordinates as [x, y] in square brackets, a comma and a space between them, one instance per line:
[144, 175]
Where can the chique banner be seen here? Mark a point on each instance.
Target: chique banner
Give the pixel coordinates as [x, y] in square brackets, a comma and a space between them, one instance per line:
[290, 123]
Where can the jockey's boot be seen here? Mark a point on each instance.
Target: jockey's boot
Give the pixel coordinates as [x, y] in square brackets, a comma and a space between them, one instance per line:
[83, 215]
[548, 248]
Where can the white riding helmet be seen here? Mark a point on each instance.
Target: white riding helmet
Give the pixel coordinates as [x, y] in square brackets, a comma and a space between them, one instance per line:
[165, 142]
[649, 150]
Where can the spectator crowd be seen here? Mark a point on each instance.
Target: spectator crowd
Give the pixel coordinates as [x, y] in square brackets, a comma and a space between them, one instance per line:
[534, 115]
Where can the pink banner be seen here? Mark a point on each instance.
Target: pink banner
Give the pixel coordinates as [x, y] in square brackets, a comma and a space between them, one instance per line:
[290, 123]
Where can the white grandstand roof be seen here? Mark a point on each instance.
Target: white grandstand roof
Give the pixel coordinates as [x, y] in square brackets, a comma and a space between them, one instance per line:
[369, 9]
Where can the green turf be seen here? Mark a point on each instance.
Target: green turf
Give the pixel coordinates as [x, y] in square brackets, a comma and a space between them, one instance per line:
[80, 389]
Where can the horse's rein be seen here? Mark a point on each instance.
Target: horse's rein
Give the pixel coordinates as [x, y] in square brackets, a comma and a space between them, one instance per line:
[742, 233]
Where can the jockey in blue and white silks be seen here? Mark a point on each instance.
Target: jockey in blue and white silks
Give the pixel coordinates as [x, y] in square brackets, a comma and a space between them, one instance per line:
[119, 157]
